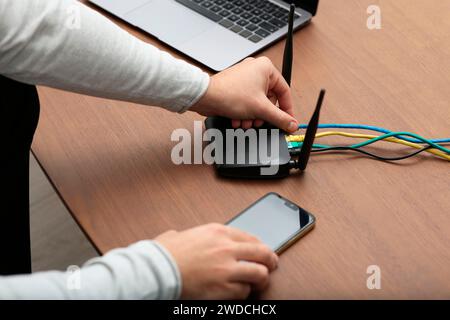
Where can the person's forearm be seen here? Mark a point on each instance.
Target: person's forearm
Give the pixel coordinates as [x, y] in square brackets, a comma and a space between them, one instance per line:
[144, 270]
[43, 42]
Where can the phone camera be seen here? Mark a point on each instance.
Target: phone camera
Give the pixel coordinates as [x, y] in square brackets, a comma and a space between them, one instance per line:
[290, 205]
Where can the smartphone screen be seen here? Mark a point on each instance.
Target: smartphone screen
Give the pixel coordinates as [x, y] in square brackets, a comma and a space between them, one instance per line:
[274, 220]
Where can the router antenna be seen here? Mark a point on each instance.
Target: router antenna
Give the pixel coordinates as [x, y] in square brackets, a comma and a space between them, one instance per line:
[287, 56]
[310, 134]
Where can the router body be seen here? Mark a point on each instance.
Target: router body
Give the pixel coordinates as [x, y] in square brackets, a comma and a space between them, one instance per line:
[251, 165]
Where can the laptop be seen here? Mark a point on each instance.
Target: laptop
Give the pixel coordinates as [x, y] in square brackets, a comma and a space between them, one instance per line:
[216, 33]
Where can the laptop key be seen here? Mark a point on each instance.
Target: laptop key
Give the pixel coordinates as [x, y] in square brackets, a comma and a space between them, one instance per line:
[215, 9]
[255, 20]
[233, 18]
[242, 22]
[269, 27]
[277, 23]
[278, 14]
[236, 29]
[254, 38]
[226, 23]
[246, 15]
[245, 33]
[283, 9]
[206, 4]
[260, 5]
[201, 10]
[251, 27]
[237, 10]
[270, 7]
[257, 12]
[262, 33]
[224, 13]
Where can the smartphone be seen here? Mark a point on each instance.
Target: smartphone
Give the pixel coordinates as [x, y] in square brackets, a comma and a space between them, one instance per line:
[276, 221]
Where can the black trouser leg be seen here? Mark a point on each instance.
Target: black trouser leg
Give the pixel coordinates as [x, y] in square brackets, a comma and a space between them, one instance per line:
[19, 114]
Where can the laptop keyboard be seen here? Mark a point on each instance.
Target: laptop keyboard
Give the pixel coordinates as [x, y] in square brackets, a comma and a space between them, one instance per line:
[251, 19]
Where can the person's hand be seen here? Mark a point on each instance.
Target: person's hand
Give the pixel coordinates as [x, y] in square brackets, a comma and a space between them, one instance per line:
[248, 93]
[219, 262]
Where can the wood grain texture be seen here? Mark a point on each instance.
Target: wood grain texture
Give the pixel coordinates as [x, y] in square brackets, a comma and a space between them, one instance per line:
[110, 161]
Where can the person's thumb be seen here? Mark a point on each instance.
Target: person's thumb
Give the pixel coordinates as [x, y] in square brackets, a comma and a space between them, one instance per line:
[277, 117]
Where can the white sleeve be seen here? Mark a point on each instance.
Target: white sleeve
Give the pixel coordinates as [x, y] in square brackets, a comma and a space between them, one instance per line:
[66, 45]
[144, 270]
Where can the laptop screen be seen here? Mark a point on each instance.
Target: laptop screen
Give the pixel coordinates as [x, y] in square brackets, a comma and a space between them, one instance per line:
[307, 5]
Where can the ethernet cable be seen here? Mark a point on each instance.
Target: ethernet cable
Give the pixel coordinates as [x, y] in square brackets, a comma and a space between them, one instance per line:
[294, 142]
[370, 128]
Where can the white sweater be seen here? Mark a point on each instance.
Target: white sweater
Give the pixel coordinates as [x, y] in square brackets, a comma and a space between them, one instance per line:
[66, 45]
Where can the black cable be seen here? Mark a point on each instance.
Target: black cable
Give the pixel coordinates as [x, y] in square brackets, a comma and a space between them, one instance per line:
[367, 153]
[372, 154]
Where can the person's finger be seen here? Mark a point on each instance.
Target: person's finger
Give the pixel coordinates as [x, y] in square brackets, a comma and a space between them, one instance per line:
[247, 124]
[279, 87]
[238, 291]
[279, 118]
[258, 123]
[235, 123]
[272, 97]
[255, 274]
[241, 236]
[259, 253]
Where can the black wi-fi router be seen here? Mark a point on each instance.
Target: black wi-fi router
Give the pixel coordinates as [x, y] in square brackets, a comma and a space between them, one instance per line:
[244, 161]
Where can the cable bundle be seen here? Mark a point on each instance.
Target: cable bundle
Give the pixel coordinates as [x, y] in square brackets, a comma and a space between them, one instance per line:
[433, 146]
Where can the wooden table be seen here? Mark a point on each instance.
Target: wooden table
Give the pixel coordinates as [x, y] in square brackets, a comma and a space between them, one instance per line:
[110, 161]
